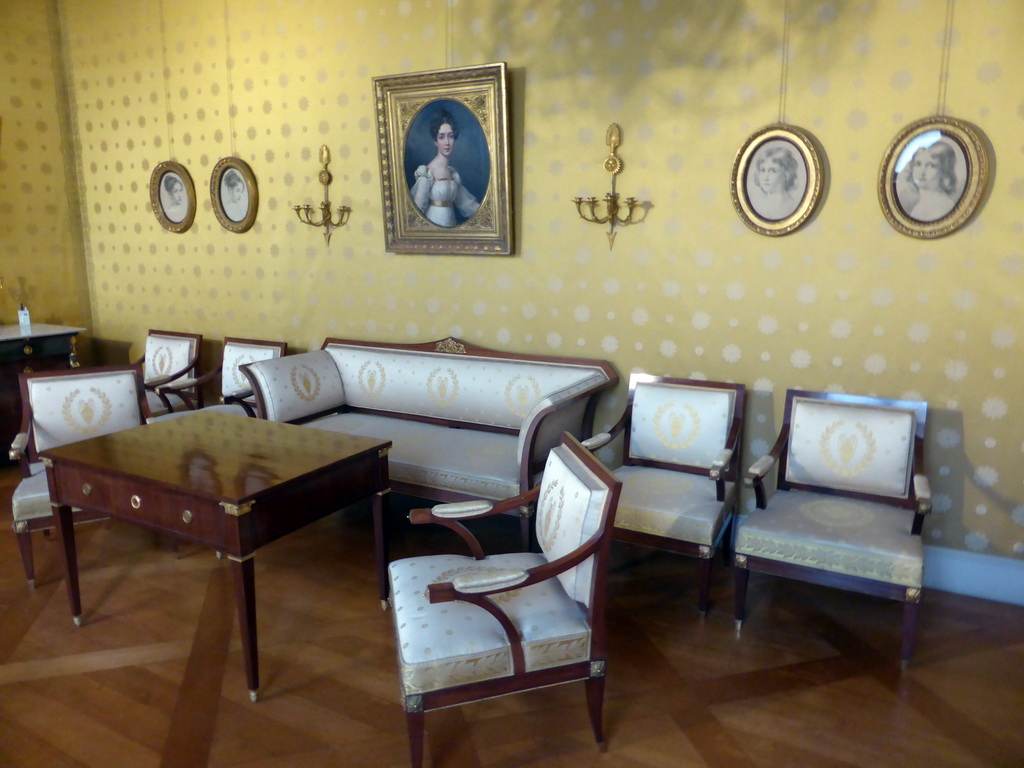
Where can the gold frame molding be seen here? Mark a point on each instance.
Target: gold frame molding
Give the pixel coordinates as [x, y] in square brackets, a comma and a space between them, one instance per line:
[400, 100]
[163, 170]
[971, 158]
[810, 176]
[220, 170]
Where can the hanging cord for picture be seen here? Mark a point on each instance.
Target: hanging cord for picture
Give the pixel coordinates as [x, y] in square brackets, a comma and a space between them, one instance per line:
[784, 75]
[947, 47]
[228, 66]
[448, 34]
[167, 85]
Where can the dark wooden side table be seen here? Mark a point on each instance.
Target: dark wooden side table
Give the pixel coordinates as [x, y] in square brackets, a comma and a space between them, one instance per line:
[229, 482]
[43, 348]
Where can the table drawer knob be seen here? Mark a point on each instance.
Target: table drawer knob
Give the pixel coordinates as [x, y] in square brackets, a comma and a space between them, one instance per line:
[27, 350]
[186, 517]
[136, 501]
[86, 489]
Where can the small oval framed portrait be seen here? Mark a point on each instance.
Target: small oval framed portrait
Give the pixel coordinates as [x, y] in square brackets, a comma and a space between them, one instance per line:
[173, 196]
[933, 177]
[777, 179]
[234, 194]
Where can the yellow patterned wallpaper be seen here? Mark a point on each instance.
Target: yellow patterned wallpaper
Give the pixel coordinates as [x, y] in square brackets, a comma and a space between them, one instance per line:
[845, 303]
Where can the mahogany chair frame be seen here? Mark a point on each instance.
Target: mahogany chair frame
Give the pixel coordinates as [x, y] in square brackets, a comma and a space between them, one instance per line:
[918, 499]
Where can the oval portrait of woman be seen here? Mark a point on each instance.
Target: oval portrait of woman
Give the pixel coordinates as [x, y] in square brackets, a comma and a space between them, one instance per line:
[776, 180]
[447, 162]
[931, 173]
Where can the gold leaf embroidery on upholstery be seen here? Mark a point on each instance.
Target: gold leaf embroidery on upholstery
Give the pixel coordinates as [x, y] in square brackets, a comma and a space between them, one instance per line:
[236, 370]
[549, 510]
[837, 513]
[443, 389]
[674, 429]
[520, 397]
[845, 451]
[373, 377]
[86, 419]
[305, 382]
[161, 363]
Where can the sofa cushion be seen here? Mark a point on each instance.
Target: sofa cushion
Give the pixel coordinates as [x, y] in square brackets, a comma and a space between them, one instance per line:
[478, 464]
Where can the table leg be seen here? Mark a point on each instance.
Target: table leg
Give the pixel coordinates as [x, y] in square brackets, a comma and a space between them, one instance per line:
[244, 571]
[380, 540]
[66, 531]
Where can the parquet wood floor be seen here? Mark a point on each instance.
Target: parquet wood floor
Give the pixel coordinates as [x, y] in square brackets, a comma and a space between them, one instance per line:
[154, 675]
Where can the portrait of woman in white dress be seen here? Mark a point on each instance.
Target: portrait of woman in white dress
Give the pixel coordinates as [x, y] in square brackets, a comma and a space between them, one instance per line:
[928, 184]
[172, 198]
[776, 181]
[447, 163]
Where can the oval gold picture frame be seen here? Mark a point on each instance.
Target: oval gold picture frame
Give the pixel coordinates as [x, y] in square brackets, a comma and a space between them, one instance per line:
[234, 194]
[933, 177]
[173, 196]
[777, 179]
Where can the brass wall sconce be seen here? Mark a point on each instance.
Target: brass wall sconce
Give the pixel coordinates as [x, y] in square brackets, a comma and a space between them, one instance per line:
[307, 213]
[587, 207]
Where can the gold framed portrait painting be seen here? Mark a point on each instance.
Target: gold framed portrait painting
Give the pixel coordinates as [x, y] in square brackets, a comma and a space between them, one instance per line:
[933, 177]
[777, 179]
[234, 194]
[173, 196]
[444, 161]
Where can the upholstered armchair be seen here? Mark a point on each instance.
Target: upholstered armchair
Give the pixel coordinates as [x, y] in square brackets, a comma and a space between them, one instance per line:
[680, 467]
[850, 499]
[471, 628]
[170, 356]
[60, 407]
[236, 394]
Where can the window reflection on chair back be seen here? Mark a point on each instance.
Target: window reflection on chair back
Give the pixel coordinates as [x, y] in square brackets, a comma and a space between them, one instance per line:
[685, 425]
[858, 448]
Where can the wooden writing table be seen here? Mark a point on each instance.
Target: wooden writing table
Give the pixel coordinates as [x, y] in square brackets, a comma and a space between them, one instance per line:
[229, 482]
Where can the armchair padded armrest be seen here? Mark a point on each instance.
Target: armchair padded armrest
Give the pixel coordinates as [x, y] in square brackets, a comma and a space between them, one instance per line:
[491, 579]
[758, 469]
[600, 440]
[183, 383]
[18, 446]
[460, 509]
[923, 491]
[720, 463]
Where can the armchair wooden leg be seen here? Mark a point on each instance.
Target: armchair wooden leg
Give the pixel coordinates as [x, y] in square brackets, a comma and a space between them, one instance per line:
[595, 706]
[27, 561]
[909, 623]
[415, 722]
[704, 582]
[740, 591]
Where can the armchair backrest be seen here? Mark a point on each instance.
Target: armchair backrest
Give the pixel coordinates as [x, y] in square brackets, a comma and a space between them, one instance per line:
[681, 421]
[238, 352]
[170, 353]
[63, 407]
[852, 443]
[576, 505]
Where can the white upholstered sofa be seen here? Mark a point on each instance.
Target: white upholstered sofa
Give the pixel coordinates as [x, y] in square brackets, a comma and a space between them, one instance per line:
[466, 422]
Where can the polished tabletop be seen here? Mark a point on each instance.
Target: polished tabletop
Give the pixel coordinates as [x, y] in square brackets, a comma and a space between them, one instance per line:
[223, 457]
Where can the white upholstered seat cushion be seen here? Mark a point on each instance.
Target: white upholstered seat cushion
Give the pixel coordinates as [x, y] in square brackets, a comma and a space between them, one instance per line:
[676, 505]
[427, 454]
[448, 644]
[836, 534]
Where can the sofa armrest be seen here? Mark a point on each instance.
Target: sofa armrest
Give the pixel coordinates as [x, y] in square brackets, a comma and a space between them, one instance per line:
[564, 410]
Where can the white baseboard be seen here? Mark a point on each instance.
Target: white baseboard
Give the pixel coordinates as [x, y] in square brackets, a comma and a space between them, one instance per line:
[975, 575]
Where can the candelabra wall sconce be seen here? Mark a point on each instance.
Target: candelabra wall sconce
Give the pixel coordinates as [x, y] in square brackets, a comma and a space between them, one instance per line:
[322, 216]
[612, 215]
